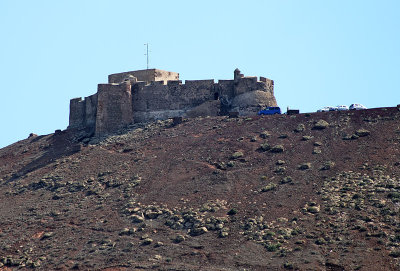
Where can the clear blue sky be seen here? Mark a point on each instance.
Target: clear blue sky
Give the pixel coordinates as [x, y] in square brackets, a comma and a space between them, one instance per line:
[318, 52]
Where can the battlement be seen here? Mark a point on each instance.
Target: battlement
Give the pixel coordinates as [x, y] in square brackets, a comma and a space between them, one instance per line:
[148, 95]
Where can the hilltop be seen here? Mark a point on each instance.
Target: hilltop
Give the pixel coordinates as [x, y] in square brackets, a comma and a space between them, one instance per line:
[314, 191]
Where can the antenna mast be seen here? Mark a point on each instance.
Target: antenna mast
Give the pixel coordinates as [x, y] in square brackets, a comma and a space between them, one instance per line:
[147, 54]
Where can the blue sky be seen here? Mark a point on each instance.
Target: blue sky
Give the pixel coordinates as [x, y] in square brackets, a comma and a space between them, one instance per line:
[318, 52]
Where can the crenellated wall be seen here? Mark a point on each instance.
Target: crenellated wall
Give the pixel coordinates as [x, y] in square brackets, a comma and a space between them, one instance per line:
[154, 96]
[82, 113]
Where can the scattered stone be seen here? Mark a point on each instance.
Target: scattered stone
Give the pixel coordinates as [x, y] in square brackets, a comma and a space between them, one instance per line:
[127, 231]
[198, 231]
[280, 162]
[137, 219]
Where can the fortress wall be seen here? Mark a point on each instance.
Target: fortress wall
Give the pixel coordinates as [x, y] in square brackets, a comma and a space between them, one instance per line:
[76, 113]
[144, 75]
[114, 107]
[159, 101]
[196, 92]
[245, 84]
[225, 88]
[165, 75]
[91, 111]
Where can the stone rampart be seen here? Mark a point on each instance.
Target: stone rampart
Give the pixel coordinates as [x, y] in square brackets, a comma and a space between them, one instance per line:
[82, 113]
[155, 96]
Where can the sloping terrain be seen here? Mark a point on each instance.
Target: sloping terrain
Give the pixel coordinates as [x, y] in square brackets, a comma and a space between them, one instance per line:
[314, 191]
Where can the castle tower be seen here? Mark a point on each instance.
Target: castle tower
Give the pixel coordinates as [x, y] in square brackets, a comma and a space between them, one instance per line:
[114, 107]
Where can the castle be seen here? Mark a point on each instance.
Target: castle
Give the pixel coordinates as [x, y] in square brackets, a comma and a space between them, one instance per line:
[152, 94]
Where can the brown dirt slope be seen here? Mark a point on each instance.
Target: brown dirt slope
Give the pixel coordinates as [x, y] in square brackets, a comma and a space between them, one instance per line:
[314, 191]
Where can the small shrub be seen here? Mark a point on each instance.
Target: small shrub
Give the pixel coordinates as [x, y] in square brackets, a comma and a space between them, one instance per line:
[264, 134]
[273, 247]
[265, 147]
[268, 235]
[313, 209]
[147, 241]
[316, 151]
[393, 195]
[179, 238]
[288, 266]
[287, 179]
[280, 162]
[320, 125]
[395, 253]
[237, 155]
[277, 149]
[362, 132]
[304, 166]
[232, 211]
[300, 128]
[279, 170]
[306, 138]
[269, 187]
[327, 165]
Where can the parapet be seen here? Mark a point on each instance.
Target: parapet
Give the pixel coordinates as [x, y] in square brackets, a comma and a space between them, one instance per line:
[149, 75]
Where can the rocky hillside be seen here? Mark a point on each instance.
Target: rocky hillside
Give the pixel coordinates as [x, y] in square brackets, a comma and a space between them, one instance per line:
[314, 191]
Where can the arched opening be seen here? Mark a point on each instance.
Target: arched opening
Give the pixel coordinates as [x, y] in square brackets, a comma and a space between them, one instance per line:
[216, 96]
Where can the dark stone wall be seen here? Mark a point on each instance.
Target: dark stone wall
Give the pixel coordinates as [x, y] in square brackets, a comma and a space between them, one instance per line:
[114, 107]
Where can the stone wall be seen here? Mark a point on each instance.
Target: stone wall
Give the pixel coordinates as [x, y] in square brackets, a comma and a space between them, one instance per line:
[82, 113]
[144, 75]
[114, 107]
[154, 97]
